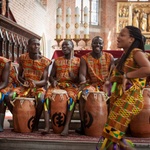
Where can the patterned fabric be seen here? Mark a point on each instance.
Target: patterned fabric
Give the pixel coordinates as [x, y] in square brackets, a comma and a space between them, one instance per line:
[148, 78]
[62, 75]
[32, 69]
[125, 105]
[12, 77]
[98, 70]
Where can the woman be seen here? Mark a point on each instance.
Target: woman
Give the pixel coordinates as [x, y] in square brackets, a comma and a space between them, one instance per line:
[126, 100]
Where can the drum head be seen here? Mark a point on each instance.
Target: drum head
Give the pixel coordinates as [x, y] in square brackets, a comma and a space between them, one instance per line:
[24, 98]
[59, 91]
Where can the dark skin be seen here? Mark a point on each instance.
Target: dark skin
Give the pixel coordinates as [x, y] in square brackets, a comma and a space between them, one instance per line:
[67, 48]
[97, 46]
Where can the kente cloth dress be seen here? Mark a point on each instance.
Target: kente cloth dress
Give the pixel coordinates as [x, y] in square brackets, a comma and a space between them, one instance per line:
[123, 106]
[32, 69]
[62, 76]
[12, 77]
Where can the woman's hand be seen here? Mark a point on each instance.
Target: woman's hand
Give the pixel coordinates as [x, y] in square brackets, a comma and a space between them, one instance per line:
[106, 86]
[126, 83]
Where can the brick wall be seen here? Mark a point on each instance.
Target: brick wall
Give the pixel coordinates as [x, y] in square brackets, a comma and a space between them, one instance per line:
[40, 20]
[31, 15]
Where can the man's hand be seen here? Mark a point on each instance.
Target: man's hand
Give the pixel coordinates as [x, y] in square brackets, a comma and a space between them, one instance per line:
[71, 74]
[54, 83]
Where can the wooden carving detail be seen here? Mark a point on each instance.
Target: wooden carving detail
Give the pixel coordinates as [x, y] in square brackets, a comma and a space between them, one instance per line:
[134, 13]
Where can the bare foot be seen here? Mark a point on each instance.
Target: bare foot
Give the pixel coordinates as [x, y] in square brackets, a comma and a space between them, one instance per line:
[125, 146]
[64, 133]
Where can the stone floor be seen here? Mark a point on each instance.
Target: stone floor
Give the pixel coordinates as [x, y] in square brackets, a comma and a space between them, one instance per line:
[10, 140]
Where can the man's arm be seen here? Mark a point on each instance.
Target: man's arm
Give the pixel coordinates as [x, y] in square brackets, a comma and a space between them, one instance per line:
[82, 71]
[53, 75]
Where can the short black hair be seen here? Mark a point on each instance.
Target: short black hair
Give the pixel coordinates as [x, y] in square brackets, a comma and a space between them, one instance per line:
[31, 40]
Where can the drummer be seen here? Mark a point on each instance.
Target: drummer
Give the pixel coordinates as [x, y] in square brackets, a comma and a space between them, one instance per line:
[95, 68]
[64, 75]
[32, 74]
[8, 82]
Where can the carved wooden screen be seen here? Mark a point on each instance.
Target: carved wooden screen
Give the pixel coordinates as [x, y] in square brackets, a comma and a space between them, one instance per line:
[134, 13]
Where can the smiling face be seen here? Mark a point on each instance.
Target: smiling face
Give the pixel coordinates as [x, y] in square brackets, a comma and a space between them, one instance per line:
[67, 47]
[124, 39]
[97, 44]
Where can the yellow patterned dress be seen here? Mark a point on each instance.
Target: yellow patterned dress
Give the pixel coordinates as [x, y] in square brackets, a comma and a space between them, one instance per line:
[62, 76]
[32, 69]
[98, 70]
[12, 78]
[123, 106]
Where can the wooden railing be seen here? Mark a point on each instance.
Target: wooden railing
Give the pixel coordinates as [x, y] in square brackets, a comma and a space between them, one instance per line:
[13, 37]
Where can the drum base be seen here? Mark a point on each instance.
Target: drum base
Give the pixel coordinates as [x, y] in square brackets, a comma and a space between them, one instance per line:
[23, 115]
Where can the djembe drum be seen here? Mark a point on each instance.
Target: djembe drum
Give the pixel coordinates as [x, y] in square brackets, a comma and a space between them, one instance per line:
[140, 124]
[23, 114]
[58, 110]
[95, 114]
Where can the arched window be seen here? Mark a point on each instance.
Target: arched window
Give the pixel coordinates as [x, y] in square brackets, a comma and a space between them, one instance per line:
[93, 7]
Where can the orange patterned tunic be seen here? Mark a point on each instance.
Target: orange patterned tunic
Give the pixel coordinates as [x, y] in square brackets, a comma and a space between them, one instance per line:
[123, 105]
[32, 69]
[62, 76]
[98, 70]
[12, 77]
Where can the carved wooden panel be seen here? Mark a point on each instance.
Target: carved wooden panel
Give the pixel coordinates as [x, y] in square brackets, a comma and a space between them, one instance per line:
[13, 39]
[134, 13]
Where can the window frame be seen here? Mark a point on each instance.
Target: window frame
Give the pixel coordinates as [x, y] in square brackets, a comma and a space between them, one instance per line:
[90, 14]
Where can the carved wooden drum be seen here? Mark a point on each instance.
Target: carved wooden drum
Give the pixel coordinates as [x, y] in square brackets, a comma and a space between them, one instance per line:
[140, 124]
[23, 114]
[58, 109]
[95, 114]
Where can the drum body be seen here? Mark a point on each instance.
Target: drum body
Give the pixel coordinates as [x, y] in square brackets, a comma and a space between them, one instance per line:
[58, 110]
[140, 124]
[95, 114]
[23, 114]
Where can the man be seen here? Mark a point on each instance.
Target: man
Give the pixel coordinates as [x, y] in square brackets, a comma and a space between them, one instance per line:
[94, 71]
[33, 75]
[8, 81]
[64, 75]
